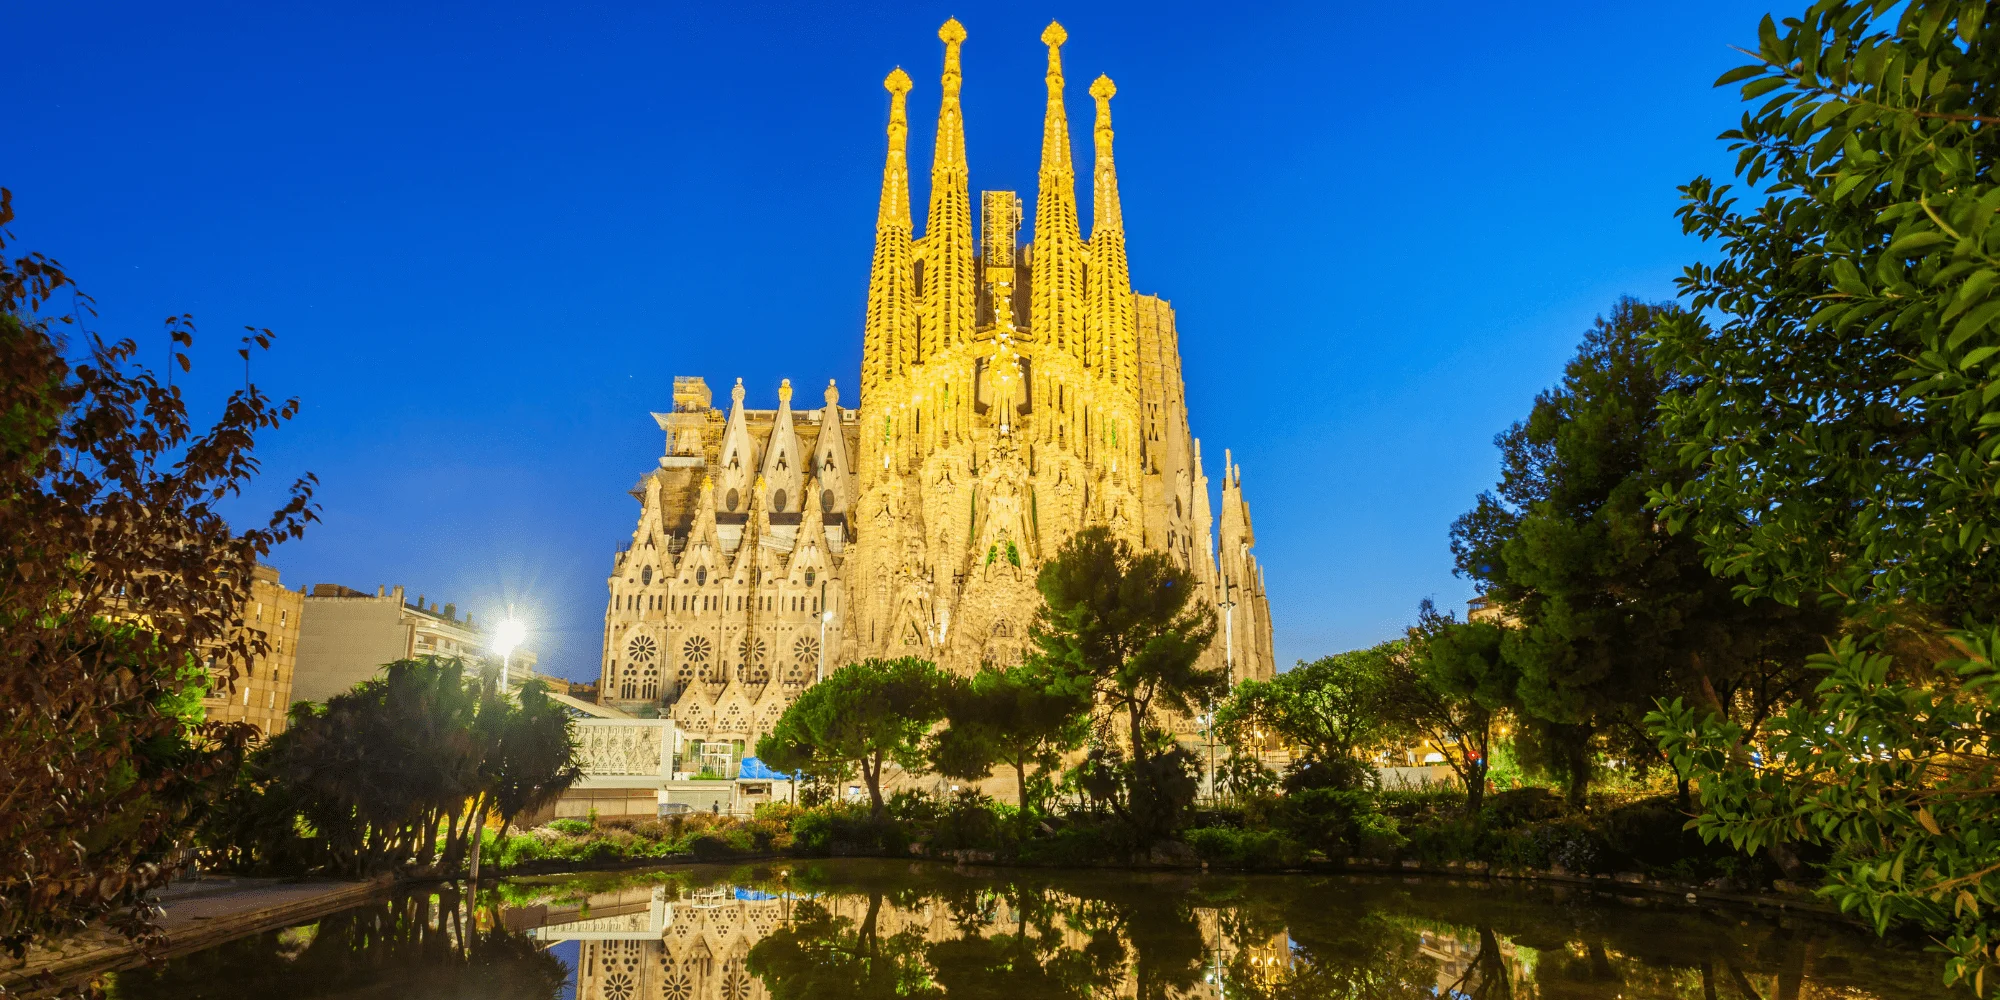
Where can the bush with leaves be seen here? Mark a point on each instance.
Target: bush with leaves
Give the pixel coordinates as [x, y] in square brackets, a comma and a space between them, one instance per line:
[118, 578]
[1330, 712]
[1840, 433]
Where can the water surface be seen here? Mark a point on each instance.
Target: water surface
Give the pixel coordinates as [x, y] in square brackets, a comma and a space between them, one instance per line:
[833, 930]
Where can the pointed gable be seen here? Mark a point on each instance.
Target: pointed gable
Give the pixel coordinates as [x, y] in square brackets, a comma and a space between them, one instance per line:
[737, 459]
[831, 462]
[784, 460]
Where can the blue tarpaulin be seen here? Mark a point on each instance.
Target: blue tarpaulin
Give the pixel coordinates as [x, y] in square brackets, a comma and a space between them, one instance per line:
[754, 768]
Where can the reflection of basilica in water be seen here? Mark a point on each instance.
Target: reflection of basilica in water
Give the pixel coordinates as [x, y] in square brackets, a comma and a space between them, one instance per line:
[672, 943]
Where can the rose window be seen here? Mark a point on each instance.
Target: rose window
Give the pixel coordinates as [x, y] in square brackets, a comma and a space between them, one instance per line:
[805, 661]
[618, 986]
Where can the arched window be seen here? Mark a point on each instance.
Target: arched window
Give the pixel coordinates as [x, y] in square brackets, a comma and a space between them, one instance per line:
[646, 576]
[809, 577]
[731, 499]
[701, 576]
[826, 501]
[778, 501]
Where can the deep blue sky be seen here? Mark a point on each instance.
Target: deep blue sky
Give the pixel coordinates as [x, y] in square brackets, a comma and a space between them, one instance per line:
[488, 236]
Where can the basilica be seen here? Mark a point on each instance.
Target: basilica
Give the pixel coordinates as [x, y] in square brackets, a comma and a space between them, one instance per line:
[1010, 394]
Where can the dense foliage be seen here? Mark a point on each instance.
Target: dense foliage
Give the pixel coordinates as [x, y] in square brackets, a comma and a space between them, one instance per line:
[862, 715]
[1024, 718]
[1606, 609]
[119, 580]
[1839, 434]
[399, 772]
[1327, 712]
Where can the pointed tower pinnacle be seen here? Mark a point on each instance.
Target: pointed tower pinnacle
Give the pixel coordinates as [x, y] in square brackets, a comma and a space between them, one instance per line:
[888, 339]
[1112, 328]
[1056, 280]
[950, 291]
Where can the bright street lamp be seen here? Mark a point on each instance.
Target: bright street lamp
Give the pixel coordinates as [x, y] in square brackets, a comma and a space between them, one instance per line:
[508, 635]
[825, 617]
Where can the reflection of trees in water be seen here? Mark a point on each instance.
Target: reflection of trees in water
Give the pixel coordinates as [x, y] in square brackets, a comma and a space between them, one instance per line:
[416, 945]
[870, 929]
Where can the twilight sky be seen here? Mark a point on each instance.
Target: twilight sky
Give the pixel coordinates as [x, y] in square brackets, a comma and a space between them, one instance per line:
[489, 235]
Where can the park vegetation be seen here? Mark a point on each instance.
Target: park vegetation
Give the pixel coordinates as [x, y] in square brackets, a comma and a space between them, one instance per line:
[1738, 620]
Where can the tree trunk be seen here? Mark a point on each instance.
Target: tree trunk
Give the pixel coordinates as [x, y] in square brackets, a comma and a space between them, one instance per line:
[1682, 792]
[1138, 733]
[1475, 785]
[1021, 788]
[478, 837]
[873, 775]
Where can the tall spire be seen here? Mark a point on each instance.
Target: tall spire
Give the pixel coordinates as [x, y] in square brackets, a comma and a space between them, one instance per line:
[888, 341]
[950, 292]
[1110, 321]
[1056, 281]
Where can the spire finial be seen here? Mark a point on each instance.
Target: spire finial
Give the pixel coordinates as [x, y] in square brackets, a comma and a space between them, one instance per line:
[1103, 89]
[1056, 284]
[784, 392]
[950, 299]
[832, 396]
[736, 393]
[1111, 325]
[897, 83]
[952, 34]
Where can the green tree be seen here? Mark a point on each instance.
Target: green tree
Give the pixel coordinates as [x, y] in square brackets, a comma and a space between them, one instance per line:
[1610, 610]
[1451, 688]
[119, 579]
[864, 714]
[1328, 711]
[1024, 717]
[1839, 436]
[381, 773]
[1125, 624]
[536, 759]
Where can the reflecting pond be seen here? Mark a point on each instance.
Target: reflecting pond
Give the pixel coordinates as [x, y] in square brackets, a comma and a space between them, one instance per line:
[829, 930]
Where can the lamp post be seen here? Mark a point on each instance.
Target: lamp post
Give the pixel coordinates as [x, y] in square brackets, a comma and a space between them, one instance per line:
[825, 618]
[819, 674]
[506, 637]
[1229, 666]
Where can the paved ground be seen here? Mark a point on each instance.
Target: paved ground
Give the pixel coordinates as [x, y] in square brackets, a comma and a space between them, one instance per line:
[200, 911]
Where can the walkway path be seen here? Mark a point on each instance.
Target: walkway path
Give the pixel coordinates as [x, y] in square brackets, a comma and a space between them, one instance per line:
[199, 912]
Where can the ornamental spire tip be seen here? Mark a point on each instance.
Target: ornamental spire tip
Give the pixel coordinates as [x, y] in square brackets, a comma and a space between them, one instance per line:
[1053, 36]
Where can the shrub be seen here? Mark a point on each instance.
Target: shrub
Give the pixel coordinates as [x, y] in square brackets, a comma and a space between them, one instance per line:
[1518, 806]
[1079, 845]
[1337, 822]
[1245, 848]
[573, 827]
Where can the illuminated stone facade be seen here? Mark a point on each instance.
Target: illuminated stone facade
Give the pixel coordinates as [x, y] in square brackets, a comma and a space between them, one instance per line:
[1010, 395]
